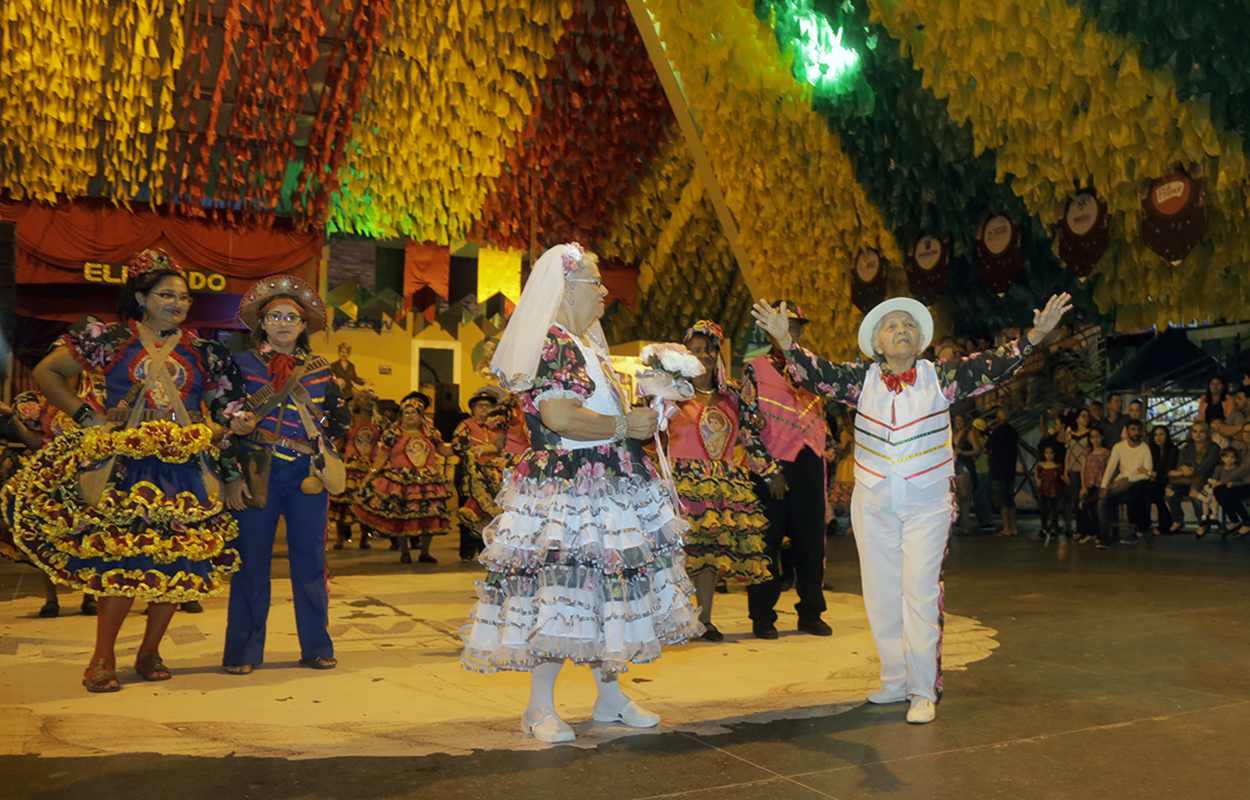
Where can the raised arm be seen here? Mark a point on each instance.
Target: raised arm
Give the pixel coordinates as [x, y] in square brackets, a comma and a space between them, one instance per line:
[980, 372]
[840, 382]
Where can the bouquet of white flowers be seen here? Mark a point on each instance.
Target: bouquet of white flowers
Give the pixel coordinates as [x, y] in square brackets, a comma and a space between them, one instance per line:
[666, 379]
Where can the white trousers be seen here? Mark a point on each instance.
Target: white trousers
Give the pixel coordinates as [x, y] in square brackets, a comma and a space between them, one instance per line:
[901, 532]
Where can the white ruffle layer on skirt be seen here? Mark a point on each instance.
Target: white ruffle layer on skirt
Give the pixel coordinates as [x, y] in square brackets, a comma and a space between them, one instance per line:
[591, 570]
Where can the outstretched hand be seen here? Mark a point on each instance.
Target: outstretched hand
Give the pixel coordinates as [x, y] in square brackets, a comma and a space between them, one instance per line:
[774, 321]
[1045, 320]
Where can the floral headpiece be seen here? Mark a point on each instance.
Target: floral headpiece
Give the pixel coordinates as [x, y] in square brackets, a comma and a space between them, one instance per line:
[716, 337]
[152, 260]
[574, 258]
[419, 400]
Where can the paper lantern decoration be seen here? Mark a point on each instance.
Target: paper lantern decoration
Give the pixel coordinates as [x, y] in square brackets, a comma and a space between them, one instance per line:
[928, 268]
[868, 284]
[1084, 232]
[999, 253]
[1174, 214]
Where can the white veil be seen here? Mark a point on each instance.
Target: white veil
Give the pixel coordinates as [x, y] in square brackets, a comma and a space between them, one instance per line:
[521, 346]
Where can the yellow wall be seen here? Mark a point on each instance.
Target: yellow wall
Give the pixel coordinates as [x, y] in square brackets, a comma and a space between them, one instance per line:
[371, 350]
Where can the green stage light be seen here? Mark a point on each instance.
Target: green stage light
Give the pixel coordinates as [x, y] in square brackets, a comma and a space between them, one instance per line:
[820, 57]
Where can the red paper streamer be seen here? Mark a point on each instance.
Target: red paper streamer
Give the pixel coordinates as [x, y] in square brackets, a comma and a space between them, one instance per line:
[601, 115]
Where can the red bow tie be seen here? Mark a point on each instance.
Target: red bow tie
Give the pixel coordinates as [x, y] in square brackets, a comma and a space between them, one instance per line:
[895, 382]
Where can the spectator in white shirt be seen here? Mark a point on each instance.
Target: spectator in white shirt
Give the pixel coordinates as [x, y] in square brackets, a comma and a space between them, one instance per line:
[1127, 480]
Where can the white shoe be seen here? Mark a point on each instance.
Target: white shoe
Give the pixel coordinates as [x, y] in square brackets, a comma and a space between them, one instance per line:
[922, 710]
[884, 696]
[632, 715]
[546, 726]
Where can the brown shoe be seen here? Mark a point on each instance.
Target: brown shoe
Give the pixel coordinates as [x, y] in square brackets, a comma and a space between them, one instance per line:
[151, 668]
[101, 677]
[320, 662]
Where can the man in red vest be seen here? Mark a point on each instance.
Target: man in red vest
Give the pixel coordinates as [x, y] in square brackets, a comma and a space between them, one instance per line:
[792, 426]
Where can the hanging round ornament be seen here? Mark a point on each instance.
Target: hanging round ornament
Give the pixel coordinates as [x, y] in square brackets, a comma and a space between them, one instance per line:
[928, 268]
[1000, 255]
[868, 283]
[1084, 232]
[1174, 214]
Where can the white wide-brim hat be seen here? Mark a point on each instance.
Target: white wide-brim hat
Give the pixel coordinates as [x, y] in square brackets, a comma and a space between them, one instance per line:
[914, 307]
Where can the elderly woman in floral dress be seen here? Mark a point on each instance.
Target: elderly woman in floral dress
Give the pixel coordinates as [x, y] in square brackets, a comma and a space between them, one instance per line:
[585, 561]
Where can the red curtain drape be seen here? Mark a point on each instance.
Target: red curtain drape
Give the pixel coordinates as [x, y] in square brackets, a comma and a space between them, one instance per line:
[53, 242]
[427, 270]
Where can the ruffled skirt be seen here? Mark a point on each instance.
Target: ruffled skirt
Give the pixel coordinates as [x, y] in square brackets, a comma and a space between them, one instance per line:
[482, 482]
[342, 509]
[153, 536]
[584, 564]
[405, 501]
[726, 525]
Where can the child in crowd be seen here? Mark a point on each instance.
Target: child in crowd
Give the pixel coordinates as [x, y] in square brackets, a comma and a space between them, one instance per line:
[1092, 469]
[1229, 471]
[1049, 476]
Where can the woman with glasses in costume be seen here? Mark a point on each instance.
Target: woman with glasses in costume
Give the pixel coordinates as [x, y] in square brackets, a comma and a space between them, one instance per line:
[476, 443]
[143, 520]
[585, 560]
[294, 411]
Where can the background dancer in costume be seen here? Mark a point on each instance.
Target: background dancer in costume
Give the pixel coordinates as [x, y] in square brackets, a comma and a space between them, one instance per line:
[726, 536]
[359, 448]
[306, 413]
[792, 426]
[158, 535]
[585, 559]
[512, 435]
[407, 493]
[902, 509]
[481, 470]
[30, 423]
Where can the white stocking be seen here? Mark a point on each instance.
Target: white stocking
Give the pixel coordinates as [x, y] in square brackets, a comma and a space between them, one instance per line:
[610, 698]
[543, 685]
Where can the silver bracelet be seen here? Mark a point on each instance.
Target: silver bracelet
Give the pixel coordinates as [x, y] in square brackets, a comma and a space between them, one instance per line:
[622, 428]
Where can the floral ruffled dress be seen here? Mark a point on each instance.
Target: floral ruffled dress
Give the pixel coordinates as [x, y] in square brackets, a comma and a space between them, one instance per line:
[358, 454]
[155, 534]
[409, 495]
[726, 525]
[482, 475]
[585, 559]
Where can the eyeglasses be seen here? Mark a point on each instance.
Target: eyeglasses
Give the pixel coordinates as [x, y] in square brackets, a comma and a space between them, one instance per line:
[595, 281]
[274, 318]
[170, 297]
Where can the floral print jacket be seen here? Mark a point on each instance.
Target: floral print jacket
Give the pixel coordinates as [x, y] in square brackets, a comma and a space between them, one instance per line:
[959, 378]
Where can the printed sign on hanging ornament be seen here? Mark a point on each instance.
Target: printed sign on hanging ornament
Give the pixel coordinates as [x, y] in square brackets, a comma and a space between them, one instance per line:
[928, 268]
[1174, 214]
[999, 253]
[1084, 232]
[868, 282]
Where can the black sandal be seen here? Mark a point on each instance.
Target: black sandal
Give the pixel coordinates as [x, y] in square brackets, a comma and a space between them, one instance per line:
[100, 678]
[151, 667]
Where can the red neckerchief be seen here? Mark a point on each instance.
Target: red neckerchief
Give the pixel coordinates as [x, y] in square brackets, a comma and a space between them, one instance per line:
[895, 382]
[281, 365]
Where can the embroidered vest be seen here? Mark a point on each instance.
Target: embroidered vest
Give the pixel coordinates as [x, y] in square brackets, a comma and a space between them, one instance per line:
[316, 379]
[906, 433]
[795, 417]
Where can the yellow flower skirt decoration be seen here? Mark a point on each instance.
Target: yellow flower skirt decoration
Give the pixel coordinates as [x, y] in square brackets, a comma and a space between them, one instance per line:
[726, 524]
[138, 541]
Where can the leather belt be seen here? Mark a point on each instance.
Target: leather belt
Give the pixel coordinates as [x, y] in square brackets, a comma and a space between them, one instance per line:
[268, 439]
[122, 414]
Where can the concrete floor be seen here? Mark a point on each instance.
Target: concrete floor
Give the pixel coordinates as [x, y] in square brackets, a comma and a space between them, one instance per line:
[1118, 673]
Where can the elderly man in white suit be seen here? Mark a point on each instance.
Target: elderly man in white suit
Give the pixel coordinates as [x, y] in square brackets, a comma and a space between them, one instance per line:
[902, 507]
